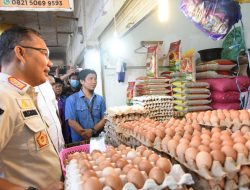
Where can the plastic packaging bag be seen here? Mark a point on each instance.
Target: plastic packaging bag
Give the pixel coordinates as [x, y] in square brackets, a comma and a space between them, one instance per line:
[213, 17]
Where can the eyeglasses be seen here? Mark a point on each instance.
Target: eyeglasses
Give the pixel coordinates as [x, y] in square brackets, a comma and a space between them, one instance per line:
[42, 50]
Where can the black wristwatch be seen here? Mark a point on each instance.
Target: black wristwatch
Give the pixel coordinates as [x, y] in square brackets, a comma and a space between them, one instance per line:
[94, 132]
[31, 188]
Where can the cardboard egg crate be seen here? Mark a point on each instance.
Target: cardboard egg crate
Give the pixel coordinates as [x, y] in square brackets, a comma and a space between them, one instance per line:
[116, 119]
[233, 182]
[175, 179]
[217, 171]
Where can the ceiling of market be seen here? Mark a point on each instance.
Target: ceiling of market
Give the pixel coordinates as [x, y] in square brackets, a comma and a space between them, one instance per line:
[56, 27]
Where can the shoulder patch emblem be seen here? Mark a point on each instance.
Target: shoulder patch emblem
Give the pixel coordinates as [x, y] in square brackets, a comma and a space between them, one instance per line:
[17, 83]
[1, 111]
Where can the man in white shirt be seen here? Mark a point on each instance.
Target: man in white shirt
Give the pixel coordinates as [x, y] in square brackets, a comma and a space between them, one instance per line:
[47, 105]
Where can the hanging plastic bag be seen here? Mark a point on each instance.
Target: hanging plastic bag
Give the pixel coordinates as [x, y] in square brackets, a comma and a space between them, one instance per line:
[233, 44]
[213, 17]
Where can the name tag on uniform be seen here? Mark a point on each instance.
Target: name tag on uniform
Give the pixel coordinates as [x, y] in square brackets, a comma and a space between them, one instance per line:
[29, 113]
[42, 139]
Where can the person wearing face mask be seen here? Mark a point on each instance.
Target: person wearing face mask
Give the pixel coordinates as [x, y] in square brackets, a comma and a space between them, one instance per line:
[84, 110]
[74, 85]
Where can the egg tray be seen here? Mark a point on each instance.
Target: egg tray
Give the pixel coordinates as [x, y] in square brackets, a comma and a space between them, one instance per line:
[217, 171]
[176, 179]
[230, 183]
[123, 118]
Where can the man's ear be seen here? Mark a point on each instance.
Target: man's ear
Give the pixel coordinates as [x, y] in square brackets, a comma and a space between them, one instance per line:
[81, 81]
[19, 54]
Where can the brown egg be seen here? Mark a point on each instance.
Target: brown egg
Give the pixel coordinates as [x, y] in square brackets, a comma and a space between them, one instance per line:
[127, 168]
[145, 165]
[135, 176]
[180, 150]
[172, 144]
[218, 155]
[114, 182]
[160, 133]
[216, 129]
[164, 164]
[104, 164]
[241, 148]
[215, 146]
[187, 136]
[229, 152]
[141, 149]
[100, 159]
[205, 142]
[224, 137]
[170, 132]
[95, 154]
[87, 174]
[197, 127]
[177, 137]
[248, 144]
[84, 165]
[157, 174]
[121, 147]
[204, 148]
[240, 139]
[147, 153]
[236, 134]
[204, 159]
[153, 158]
[245, 129]
[92, 183]
[195, 143]
[150, 136]
[121, 163]
[245, 170]
[110, 152]
[115, 157]
[184, 141]
[227, 142]
[190, 153]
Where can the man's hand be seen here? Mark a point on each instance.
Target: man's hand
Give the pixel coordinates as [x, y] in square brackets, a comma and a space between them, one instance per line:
[55, 186]
[87, 134]
[71, 71]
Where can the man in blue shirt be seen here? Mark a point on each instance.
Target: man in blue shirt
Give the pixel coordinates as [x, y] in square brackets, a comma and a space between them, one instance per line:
[84, 110]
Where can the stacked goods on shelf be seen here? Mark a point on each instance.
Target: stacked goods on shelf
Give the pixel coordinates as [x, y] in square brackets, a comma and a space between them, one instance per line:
[116, 115]
[152, 86]
[190, 96]
[159, 108]
[216, 154]
[225, 92]
[220, 68]
[231, 119]
[123, 168]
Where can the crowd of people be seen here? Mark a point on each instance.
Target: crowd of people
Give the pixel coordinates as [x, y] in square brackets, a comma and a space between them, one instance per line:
[39, 113]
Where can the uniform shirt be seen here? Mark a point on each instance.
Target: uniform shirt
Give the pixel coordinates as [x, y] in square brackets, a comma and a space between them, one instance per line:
[48, 108]
[27, 156]
[76, 109]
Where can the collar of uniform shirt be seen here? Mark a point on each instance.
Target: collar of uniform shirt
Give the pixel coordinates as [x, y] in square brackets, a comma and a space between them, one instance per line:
[81, 94]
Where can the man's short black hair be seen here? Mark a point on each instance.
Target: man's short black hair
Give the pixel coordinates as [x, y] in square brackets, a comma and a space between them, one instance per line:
[74, 74]
[58, 81]
[12, 37]
[85, 72]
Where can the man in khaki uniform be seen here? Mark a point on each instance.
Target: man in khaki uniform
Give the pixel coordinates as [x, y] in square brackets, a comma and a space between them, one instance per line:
[27, 156]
